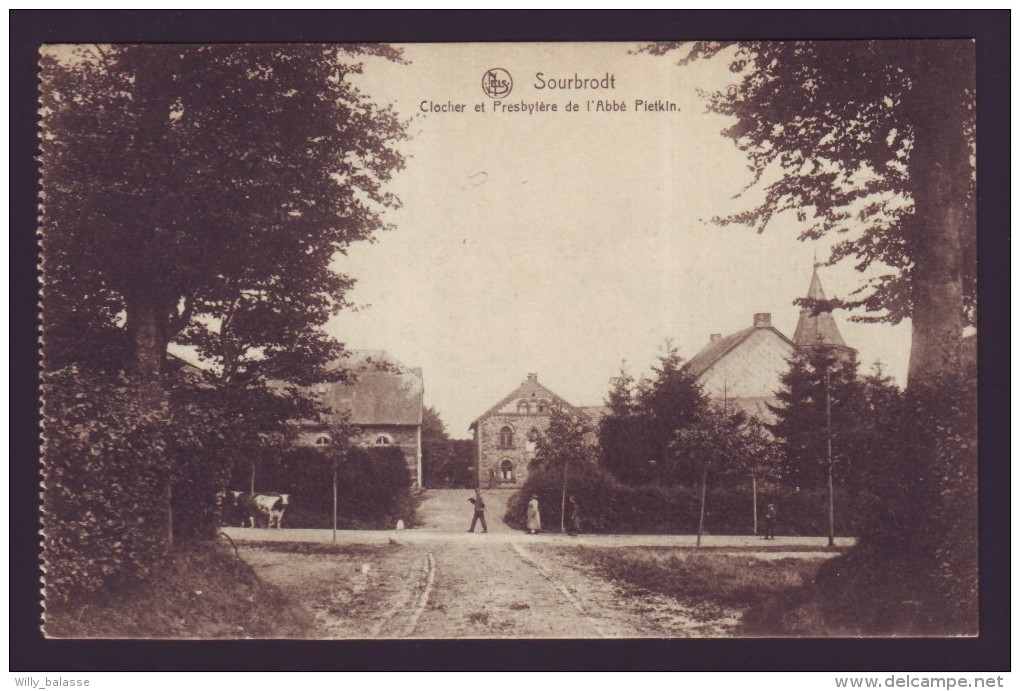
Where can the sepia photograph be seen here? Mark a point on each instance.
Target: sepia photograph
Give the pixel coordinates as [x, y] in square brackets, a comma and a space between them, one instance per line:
[586, 340]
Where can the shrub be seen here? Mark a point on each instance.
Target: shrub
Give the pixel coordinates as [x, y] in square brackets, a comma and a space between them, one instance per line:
[104, 475]
[608, 506]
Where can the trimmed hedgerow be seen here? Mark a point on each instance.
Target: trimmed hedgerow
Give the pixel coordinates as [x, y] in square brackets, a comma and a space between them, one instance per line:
[373, 487]
[609, 506]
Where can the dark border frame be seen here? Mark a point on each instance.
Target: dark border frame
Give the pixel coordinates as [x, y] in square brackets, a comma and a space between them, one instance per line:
[988, 652]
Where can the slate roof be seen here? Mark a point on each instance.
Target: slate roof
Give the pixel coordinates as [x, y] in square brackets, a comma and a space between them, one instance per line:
[385, 392]
[595, 412]
[817, 329]
[715, 350]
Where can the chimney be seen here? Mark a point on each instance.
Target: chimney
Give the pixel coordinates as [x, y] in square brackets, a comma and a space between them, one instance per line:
[762, 319]
[714, 337]
[533, 376]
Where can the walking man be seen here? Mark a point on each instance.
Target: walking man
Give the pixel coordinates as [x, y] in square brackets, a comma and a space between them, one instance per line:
[479, 512]
[770, 522]
[574, 516]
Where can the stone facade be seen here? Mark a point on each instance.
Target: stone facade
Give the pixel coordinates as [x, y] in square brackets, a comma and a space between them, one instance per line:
[385, 402]
[504, 435]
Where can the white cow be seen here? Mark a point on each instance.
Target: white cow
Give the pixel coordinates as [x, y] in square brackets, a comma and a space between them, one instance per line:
[263, 507]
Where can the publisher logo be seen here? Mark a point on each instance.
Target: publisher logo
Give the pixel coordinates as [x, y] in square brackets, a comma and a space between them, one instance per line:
[497, 83]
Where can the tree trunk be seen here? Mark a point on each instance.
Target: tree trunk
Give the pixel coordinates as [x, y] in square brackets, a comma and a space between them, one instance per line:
[701, 515]
[942, 185]
[169, 515]
[144, 328]
[563, 501]
[754, 501]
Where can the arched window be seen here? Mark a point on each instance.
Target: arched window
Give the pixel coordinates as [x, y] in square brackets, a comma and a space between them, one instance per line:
[506, 470]
[323, 440]
[522, 406]
[383, 440]
[543, 406]
[506, 438]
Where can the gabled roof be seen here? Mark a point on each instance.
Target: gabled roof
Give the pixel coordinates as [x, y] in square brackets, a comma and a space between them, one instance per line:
[528, 387]
[817, 329]
[716, 350]
[384, 393]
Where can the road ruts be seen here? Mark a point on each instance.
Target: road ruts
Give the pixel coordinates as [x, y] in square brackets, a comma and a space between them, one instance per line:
[401, 619]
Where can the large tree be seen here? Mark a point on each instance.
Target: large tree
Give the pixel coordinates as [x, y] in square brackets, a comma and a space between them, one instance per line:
[873, 141]
[199, 194]
[801, 421]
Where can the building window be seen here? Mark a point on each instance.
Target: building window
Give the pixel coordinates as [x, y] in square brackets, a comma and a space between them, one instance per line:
[323, 440]
[542, 405]
[522, 406]
[506, 438]
[383, 440]
[506, 471]
[321, 389]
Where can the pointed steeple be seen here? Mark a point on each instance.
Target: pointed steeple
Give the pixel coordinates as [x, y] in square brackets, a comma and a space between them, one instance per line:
[819, 329]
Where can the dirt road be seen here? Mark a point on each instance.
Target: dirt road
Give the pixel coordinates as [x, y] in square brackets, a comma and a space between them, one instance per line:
[428, 583]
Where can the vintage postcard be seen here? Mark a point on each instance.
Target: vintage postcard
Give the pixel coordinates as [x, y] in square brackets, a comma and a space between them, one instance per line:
[506, 340]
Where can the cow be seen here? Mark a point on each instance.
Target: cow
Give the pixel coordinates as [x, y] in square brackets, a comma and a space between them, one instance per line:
[256, 509]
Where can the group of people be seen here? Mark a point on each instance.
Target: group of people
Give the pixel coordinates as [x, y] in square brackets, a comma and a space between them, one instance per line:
[534, 520]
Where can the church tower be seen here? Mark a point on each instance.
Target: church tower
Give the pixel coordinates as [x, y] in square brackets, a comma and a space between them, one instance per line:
[817, 328]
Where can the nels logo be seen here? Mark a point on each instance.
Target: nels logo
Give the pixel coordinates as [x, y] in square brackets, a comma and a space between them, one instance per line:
[497, 83]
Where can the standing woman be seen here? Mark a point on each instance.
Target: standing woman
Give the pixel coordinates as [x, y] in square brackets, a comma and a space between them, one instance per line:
[534, 520]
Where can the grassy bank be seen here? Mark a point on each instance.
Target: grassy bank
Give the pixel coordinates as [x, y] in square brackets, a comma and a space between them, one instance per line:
[198, 592]
[706, 580]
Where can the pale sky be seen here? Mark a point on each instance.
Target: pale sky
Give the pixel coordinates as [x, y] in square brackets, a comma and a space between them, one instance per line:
[563, 243]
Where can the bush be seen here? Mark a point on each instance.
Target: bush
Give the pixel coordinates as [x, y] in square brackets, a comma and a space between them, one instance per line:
[373, 487]
[608, 506]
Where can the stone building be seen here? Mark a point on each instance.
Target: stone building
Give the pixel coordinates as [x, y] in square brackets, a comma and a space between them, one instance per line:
[743, 370]
[385, 403]
[503, 443]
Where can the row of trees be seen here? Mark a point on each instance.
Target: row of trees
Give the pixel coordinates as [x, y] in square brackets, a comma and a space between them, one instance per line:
[663, 430]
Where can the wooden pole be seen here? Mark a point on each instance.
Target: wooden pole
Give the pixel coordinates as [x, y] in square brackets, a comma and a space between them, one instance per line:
[563, 499]
[828, 444]
[701, 517]
[252, 488]
[754, 501]
[334, 501]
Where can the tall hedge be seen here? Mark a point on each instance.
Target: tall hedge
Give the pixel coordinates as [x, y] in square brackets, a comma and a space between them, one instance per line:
[104, 474]
[373, 487]
[608, 506]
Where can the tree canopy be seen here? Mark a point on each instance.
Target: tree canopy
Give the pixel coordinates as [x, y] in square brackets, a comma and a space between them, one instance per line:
[199, 194]
[637, 432]
[872, 141]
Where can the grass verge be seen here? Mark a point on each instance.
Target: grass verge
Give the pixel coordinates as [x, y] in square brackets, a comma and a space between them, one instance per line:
[200, 591]
[707, 581]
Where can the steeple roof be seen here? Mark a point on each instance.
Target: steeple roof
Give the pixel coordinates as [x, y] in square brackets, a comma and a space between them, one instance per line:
[817, 329]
